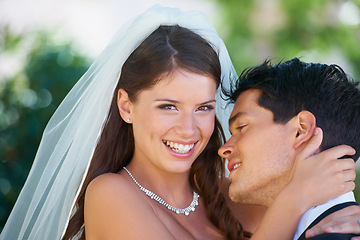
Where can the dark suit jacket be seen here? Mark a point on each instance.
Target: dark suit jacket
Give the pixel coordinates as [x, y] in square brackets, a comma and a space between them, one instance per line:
[329, 236]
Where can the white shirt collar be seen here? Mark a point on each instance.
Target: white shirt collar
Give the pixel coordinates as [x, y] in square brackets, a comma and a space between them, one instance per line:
[311, 214]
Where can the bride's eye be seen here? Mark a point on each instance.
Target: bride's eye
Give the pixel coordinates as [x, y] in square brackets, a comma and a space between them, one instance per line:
[205, 108]
[168, 107]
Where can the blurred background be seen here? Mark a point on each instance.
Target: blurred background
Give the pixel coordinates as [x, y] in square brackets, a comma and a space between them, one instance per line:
[45, 46]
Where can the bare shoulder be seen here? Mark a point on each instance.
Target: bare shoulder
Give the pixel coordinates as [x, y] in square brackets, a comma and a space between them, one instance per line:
[107, 183]
[105, 195]
[108, 188]
[114, 209]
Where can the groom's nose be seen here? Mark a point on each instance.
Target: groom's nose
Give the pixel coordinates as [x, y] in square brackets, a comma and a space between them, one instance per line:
[226, 150]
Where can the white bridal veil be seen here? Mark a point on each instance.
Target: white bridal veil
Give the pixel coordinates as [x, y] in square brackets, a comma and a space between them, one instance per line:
[45, 203]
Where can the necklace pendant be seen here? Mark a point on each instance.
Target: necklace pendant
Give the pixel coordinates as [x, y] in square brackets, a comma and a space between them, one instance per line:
[185, 211]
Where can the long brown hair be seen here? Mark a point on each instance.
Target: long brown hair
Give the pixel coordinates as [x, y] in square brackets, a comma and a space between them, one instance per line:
[166, 49]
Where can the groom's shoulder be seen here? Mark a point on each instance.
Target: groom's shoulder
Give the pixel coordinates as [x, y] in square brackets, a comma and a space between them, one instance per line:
[333, 236]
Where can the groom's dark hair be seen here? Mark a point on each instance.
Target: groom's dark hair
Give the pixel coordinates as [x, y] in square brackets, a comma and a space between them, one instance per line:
[324, 90]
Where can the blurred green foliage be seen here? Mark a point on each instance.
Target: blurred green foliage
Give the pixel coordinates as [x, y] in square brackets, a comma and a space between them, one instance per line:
[29, 97]
[326, 31]
[357, 186]
[322, 31]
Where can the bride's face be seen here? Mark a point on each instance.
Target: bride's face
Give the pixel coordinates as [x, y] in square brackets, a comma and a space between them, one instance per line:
[173, 121]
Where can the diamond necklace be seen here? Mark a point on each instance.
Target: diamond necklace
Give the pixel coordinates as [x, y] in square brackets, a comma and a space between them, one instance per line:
[152, 195]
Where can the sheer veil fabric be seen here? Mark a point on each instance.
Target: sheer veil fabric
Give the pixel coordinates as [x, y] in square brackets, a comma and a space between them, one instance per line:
[46, 201]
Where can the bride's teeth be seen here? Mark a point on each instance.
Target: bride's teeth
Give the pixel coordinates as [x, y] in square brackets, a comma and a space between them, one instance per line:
[186, 148]
[179, 148]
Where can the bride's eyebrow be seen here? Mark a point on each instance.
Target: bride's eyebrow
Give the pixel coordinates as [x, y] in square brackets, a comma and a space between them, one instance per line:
[166, 100]
[207, 102]
[175, 101]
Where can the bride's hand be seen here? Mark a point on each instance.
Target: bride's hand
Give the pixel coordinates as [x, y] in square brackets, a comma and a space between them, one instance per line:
[345, 220]
[318, 178]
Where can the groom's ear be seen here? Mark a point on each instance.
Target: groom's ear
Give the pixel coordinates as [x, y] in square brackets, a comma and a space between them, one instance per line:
[305, 123]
